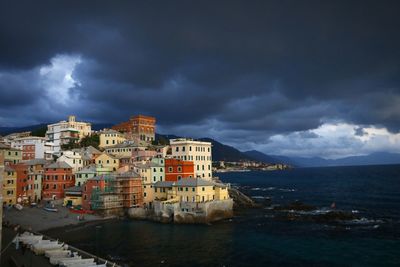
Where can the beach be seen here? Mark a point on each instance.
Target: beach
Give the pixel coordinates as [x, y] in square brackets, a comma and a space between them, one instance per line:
[37, 219]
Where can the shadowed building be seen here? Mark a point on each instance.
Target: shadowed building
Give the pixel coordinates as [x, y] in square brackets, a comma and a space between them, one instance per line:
[138, 127]
[58, 177]
[1, 193]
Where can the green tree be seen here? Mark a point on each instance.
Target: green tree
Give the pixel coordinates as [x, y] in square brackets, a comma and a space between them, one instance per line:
[92, 140]
[41, 132]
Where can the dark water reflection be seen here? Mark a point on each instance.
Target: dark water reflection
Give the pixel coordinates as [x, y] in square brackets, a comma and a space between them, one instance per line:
[255, 238]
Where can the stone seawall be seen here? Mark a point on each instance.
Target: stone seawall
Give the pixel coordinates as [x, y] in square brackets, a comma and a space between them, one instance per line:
[185, 212]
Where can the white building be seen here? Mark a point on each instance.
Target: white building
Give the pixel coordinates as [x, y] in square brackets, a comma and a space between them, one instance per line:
[64, 132]
[73, 159]
[41, 149]
[196, 151]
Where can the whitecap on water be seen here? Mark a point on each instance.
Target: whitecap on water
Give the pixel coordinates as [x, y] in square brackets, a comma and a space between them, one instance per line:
[287, 189]
[259, 197]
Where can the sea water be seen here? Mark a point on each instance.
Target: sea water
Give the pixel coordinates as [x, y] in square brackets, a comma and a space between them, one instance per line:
[255, 237]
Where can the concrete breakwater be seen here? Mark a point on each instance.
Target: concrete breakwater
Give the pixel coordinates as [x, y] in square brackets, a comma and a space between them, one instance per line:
[185, 212]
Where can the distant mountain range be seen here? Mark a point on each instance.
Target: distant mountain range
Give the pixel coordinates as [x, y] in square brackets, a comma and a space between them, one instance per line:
[222, 152]
[7, 130]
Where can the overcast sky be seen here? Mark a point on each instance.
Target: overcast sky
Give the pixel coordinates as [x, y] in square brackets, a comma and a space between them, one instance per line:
[304, 78]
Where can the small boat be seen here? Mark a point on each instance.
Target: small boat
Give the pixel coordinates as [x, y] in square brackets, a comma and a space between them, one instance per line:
[58, 259]
[74, 261]
[41, 248]
[50, 208]
[30, 240]
[18, 206]
[58, 252]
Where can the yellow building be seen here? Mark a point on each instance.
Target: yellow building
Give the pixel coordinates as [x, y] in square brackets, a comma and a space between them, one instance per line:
[73, 196]
[126, 148]
[107, 161]
[144, 170]
[9, 186]
[221, 191]
[11, 155]
[110, 138]
[190, 190]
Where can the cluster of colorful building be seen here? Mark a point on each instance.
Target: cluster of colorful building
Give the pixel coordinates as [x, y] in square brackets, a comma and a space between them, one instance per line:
[127, 170]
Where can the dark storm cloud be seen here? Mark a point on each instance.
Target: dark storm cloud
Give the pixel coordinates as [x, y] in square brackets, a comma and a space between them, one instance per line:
[258, 68]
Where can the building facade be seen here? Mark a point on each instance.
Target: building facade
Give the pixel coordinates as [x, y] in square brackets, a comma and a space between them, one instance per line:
[11, 155]
[126, 149]
[65, 132]
[33, 147]
[107, 161]
[196, 151]
[195, 190]
[58, 176]
[25, 185]
[36, 174]
[73, 159]
[84, 174]
[138, 127]
[110, 138]
[9, 186]
[176, 169]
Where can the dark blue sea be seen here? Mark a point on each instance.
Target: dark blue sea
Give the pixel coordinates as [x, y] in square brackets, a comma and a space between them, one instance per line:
[257, 237]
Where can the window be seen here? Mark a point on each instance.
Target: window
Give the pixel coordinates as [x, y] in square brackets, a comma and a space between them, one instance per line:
[183, 148]
[193, 189]
[187, 189]
[179, 169]
[203, 189]
[170, 169]
[177, 149]
[54, 186]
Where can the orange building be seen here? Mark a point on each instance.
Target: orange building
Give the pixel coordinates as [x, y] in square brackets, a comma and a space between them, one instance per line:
[28, 152]
[25, 184]
[128, 186]
[176, 169]
[138, 127]
[57, 177]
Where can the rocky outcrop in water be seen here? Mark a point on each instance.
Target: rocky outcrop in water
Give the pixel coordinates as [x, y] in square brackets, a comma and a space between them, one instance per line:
[298, 211]
[241, 201]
